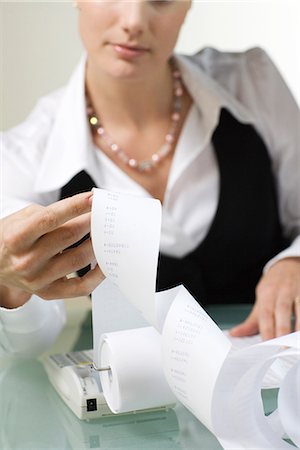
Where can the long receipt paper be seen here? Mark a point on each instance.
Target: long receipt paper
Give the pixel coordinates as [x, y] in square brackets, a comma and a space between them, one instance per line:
[196, 363]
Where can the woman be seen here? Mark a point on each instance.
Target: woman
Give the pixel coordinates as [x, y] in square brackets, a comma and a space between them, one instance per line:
[202, 134]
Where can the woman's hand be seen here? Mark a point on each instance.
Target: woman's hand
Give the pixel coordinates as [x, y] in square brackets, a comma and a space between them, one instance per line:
[33, 255]
[277, 300]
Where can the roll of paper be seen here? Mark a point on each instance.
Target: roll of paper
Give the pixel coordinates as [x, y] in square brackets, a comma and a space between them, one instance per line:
[136, 379]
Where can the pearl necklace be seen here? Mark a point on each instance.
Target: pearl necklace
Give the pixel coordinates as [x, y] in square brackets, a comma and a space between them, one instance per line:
[164, 150]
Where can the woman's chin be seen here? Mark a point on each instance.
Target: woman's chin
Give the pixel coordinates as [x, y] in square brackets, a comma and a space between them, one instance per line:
[119, 68]
[129, 69]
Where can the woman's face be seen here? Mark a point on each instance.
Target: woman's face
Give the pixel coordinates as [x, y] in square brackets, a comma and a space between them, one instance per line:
[130, 38]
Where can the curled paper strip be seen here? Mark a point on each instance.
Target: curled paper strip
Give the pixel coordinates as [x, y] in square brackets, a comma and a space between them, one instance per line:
[125, 236]
[227, 399]
[220, 386]
[289, 404]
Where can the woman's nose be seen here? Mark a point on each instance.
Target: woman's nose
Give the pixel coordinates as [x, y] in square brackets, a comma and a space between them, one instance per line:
[134, 17]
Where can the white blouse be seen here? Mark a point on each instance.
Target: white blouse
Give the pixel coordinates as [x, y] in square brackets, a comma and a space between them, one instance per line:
[48, 149]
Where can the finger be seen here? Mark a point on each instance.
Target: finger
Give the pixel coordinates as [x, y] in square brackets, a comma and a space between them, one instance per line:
[34, 264]
[266, 319]
[25, 212]
[63, 237]
[248, 328]
[13, 227]
[68, 262]
[73, 287]
[283, 313]
[49, 218]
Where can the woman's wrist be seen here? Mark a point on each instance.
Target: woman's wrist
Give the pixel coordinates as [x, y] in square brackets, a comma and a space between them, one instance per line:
[11, 297]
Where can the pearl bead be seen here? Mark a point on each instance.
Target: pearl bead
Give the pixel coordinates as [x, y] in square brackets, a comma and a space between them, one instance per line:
[100, 131]
[114, 147]
[132, 162]
[93, 120]
[155, 157]
[175, 116]
[178, 92]
[169, 138]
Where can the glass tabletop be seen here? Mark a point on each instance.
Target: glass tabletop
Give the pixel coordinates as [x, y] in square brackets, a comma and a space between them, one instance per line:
[33, 416]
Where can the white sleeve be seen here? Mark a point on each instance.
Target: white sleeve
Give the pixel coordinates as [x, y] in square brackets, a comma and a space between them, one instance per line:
[29, 330]
[22, 149]
[279, 122]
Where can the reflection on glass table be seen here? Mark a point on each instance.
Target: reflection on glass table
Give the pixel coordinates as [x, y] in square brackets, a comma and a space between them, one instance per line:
[32, 415]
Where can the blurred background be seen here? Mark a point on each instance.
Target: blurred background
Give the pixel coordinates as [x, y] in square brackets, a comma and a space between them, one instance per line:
[39, 44]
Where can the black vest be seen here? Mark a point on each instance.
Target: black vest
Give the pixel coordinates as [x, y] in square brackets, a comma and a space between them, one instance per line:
[245, 232]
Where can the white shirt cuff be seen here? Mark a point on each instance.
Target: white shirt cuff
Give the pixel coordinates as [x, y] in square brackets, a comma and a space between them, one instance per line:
[31, 328]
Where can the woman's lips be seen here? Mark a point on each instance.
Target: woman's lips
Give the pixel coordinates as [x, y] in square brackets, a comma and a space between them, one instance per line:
[128, 51]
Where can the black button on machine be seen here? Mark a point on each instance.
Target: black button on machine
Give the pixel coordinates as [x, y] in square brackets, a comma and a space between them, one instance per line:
[91, 404]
